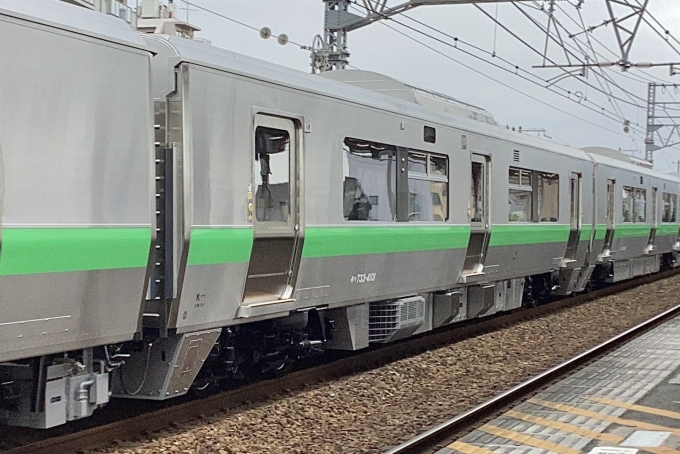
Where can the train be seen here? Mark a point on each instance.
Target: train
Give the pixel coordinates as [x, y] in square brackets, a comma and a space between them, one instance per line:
[175, 216]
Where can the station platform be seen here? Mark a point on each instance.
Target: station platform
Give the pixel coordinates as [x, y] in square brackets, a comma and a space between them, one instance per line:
[627, 402]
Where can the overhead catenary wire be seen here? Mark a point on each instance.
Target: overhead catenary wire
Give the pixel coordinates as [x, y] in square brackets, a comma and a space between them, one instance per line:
[646, 77]
[616, 116]
[569, 95]
[243, 24]
[603, 79]
[599, 109]
[503, 83]
[619, 113]
[605, 82]
[578, 49]
[610, 96]
[513, 34]
[304, 47]
[493, 54]
[666, 31]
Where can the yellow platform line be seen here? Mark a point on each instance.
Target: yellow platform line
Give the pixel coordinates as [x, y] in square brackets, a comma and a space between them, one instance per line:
[565, 427]
[580, 431]
[660, 450]
[640, 408]
[528, 440]
[607, 418]
[467, 448]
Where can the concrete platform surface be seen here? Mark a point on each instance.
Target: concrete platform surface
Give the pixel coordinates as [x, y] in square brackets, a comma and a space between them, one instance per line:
[627, 402]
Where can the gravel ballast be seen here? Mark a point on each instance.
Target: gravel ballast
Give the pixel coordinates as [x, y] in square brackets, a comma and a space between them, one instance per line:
[372, 411]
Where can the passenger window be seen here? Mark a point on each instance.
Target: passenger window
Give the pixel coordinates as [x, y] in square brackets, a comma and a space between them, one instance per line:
[370, 179]
[627, 205]
[520, 195]
[439, 165]
[640, 205]
[548, 198]
[476, 204]
[611, 185]
[417, 163]
[428, 187]
[669, 207]
[272, 151]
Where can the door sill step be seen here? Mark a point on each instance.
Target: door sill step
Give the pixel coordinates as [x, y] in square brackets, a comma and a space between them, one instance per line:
[468, 278]
[268, 303]
[566, 262]
[255, 276]
[278, 306]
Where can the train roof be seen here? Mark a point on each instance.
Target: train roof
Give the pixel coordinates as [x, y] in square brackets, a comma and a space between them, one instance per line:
[213, 57]
[60, 15]
[600, 158]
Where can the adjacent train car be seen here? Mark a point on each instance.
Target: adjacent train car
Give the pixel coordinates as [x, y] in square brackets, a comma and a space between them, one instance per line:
[279, 215]
[76, 140]
[636, 227]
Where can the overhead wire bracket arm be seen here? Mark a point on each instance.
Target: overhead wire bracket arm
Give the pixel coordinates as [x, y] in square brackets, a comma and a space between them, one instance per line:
[334, 54]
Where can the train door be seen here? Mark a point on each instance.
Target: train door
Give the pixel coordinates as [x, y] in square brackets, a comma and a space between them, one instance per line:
[574, 216]
[611, 222]
[478, 213]
[654, 220]
[275, 250]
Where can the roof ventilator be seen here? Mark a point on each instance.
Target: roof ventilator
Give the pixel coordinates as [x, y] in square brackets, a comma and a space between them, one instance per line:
[396, 319]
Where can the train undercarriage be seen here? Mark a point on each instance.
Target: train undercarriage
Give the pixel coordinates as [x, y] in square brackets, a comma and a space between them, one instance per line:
[47, 391]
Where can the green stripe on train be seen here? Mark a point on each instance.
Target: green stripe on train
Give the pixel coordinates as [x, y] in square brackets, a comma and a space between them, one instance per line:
[632, 230]
[211, 246]
[667, 229]
[364, 240]
[535, 233]
[58, 250]
[600, 231]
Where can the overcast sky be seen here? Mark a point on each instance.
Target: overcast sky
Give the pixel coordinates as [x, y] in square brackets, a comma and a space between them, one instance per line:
[381, 49]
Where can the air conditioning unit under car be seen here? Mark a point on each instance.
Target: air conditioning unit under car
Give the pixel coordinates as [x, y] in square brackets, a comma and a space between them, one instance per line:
[395, 319]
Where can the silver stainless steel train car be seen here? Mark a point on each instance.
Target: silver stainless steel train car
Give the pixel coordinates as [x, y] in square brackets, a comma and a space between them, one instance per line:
[76, 135]
[279, 214]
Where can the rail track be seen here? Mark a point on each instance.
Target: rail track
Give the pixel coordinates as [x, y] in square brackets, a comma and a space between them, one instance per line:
[441, 435]
[129, 419]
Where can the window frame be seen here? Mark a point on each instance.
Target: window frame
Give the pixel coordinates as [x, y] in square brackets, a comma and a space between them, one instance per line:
[264, 161]
[545, 175]
[431, 177]
[522, 188]
[635, 205]
[533, 189]
[633, 193]
[669, 200]
[393, 153]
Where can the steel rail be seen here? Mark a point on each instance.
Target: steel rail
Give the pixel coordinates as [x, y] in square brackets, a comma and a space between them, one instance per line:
[429, 440]
[134, 424]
